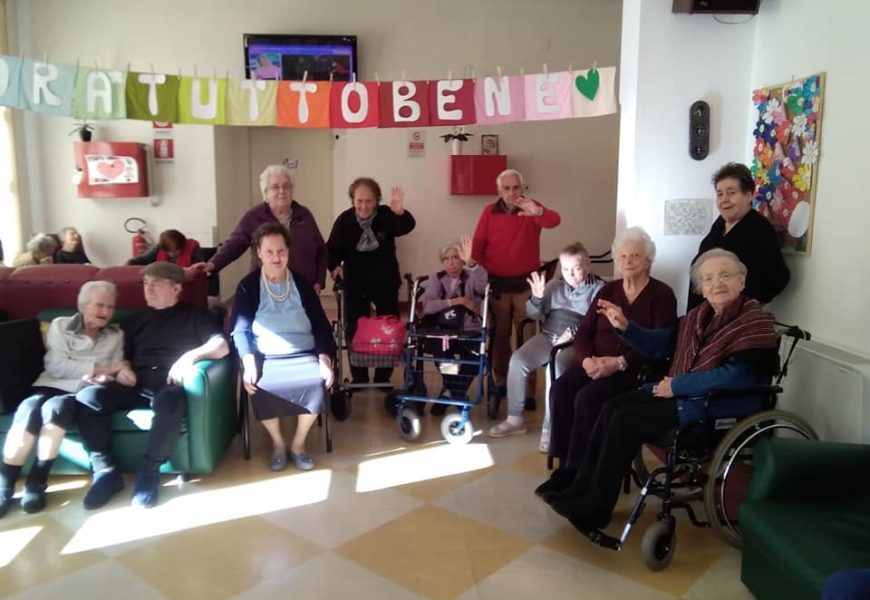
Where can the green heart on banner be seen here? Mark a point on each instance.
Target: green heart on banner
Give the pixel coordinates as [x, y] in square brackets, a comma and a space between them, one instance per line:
[588, 86]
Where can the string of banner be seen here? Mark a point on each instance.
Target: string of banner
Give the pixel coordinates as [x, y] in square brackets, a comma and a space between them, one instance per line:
[100, 94]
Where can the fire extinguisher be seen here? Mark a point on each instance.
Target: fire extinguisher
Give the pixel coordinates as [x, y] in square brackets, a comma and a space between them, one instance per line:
[137, 226]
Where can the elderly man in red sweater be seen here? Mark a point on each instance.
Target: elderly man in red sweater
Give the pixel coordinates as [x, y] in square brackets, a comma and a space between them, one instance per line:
[507, 242]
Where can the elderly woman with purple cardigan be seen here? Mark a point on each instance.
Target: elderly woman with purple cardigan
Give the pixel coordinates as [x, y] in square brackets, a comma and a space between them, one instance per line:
[308, 257]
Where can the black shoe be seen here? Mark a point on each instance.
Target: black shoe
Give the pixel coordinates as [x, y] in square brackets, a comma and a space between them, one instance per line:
[558, 481]
[106, 483]
[530, 405]
[5, 499]
[391, 404]
[34, 499]
[498, 391]
[438, 409]
[146, 487]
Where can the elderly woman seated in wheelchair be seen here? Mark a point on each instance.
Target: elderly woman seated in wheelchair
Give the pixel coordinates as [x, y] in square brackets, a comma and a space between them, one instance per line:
[726, 342]
[451, 301]
[285, 344]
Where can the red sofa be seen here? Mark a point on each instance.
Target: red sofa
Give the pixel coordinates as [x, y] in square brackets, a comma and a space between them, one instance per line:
[27, 290]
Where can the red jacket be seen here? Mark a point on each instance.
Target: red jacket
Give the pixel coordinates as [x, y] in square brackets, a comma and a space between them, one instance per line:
[184, 258]
[508, 245]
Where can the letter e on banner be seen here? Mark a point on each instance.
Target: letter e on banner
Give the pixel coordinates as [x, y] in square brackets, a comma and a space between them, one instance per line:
[451, 102]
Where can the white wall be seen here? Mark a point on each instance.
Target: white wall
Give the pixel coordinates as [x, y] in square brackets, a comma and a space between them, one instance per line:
[570, 165]
[829, 290]
[668, 62]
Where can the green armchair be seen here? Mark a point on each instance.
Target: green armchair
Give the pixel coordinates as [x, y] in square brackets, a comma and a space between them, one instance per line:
[806, 516]
[208, 428]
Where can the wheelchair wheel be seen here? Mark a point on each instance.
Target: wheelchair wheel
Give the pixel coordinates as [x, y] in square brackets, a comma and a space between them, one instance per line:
[409, 425]
[455, 431]
[658, 544]
[730, 469]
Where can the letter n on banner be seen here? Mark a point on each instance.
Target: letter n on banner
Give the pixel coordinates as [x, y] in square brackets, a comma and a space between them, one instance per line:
[548, 96]
[354, 105]
[451, 102]
[404, 104]
[499, 99]
[303, 104]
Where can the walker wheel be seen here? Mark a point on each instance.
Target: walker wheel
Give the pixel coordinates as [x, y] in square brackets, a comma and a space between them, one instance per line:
[455, 431]
[409, 425]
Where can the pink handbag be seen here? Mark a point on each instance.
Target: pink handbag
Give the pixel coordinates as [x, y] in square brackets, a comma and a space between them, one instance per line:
[379, 335]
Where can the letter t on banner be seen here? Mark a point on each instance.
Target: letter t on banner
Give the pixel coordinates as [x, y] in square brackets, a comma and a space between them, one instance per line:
[303, 104]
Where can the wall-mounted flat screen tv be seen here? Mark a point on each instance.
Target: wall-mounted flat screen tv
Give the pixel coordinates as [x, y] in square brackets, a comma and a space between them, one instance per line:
[288, 57]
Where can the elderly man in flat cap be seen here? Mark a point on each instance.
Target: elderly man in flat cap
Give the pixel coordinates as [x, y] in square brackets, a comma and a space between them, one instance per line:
[160, 344]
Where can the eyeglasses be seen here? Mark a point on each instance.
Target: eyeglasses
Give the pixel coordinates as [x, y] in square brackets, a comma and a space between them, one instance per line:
[726, 277]
[450, 257]
[279, 188]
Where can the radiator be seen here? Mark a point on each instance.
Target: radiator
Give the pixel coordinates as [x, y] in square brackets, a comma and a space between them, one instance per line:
[830, 388]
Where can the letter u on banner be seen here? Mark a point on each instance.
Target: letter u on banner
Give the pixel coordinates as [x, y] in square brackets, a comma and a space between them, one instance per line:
[548, 96]
[354, 105]
[303, 104]
[404, 104]
[499, 100]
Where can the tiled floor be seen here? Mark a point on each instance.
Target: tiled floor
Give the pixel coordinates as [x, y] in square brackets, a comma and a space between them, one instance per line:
[378, 518]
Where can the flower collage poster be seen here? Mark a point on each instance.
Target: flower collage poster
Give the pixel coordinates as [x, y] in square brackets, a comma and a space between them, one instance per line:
[786, 156]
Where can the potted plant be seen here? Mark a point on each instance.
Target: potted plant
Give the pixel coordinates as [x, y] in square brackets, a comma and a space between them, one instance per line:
[85, 131]
[456, 138]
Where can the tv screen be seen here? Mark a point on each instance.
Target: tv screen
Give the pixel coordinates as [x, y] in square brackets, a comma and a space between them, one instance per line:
[289, 56]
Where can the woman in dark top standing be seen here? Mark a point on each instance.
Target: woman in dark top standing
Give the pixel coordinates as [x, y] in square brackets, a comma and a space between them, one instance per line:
[606, 365]
[746, 233]
[362, 251]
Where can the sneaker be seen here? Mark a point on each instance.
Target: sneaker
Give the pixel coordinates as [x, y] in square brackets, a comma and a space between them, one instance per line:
[145, 487]
[530, 405]
[105, 484]
[506, 428]
[34, 499]
[278, 462]
[544, 446]
[303, 461]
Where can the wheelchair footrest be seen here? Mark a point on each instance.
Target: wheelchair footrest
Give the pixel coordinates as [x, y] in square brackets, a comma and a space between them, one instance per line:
[600, 538]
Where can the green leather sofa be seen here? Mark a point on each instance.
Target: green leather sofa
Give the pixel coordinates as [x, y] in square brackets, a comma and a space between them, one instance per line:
[806, 516]
[208, 428]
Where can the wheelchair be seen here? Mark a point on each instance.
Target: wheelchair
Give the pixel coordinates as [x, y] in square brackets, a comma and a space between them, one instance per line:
[709, 462]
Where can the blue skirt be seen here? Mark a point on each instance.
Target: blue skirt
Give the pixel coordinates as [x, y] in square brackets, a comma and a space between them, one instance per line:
[289, 385]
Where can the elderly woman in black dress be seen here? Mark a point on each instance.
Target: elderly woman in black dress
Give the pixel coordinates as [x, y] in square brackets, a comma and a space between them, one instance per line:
[285, 343]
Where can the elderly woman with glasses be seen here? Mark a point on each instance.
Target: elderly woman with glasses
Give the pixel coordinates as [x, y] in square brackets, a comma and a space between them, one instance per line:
[726, 342]
[451, 301]
[309, 250]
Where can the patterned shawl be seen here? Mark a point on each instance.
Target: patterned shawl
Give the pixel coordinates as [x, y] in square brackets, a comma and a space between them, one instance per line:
[705, 340]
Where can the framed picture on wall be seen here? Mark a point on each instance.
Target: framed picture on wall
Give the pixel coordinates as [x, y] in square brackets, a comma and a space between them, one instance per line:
[489, 144]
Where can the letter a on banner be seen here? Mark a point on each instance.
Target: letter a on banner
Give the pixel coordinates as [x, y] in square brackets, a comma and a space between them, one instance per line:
[499, 99]
[152, 97]
[404, 104]
[451, 102]
[354, 105]
[202, 100]
[100, 94]
[303, 104]
[548, 96]
[10, 69]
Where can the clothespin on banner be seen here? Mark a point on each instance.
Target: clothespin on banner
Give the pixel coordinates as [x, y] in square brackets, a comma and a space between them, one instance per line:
[570, 67]
[449, 74]
[402, 77]
[179, 72]
[594, 65]
[195, 71]
[304, 76]
[377, 79]
[498, 71]
[522, 71]
[151, 65]
[353, 77]
[45, 57]
[97, 63]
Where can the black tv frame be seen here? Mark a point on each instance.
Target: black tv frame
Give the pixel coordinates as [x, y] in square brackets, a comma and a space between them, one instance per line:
[302, 39]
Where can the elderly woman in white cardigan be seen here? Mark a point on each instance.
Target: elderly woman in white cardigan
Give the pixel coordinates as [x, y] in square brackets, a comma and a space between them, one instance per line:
[81, 350]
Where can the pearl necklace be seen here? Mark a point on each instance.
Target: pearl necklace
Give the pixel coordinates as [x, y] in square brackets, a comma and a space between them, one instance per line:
[279, 297]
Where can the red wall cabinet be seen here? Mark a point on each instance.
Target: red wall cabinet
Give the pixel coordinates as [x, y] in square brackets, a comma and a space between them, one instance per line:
[112, 169]
[476, 173]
